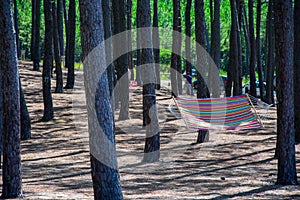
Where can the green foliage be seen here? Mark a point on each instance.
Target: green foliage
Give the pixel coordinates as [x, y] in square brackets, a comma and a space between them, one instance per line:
[24, 20]
[165, 14]
[165, 56]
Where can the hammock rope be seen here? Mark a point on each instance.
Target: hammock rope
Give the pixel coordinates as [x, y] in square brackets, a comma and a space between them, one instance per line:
[229, 113]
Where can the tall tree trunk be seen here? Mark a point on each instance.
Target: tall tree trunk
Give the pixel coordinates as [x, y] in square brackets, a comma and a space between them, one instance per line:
[138, 51]
[252, 49]
[121, 63]
[258, 47]
[270, 54]
[129, 36]
[56, 45]
[245, 27]
[237, 90]
[11, 171]
[16, 23]
[25, 117]
[65, 16]
[297, 69]
[233, 69]
[175, 48]
[60, 26]
[152, 142]
[188, 33]
[33, 2]
[48, 62]
[70, 56]
[215, 47]
[107, 22]
[66, 30]
[179, 42]
[36, 36]
[104, 170]
[202, 89]
[287, 174]
[156, 43]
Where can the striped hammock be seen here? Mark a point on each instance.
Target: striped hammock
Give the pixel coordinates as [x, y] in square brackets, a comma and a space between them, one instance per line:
[230, 113]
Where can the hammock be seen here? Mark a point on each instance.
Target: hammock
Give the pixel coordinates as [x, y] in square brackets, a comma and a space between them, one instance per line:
[230, 113]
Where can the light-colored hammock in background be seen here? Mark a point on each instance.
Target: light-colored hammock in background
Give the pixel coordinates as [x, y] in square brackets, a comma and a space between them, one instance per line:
[229, 113]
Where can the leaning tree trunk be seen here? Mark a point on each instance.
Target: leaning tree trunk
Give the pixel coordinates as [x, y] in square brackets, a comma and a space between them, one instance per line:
[297, 69]
[156, 43]
[202, 89]
[11, 170]
[25, 117]
[36, 36]
[70, 56]
[48, 62]
[152, 142]
[284, 34]
[104, 169]
[56, 45]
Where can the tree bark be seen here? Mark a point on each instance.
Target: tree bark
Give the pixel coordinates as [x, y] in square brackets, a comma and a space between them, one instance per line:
[65, 17]
[156, 43]
[25, 117]
[235, 54]
[11, 170]
[175, 48]
[60, 26]
[16, 23]
[33, 2]
[245, 26]
[297, 69]
[107, 22]
[104, 169]
[270, 54]
[70, 56]
[48, 62]
[258, 46]
[36, 36]
[138, 51]
[202, 89]
[285, 113]
[179, 43]
[129, 36]
[188, 33]
[237, 89]
[216, 47]
[252, 50]
[56, 45]
[152, 141]
[121, 63]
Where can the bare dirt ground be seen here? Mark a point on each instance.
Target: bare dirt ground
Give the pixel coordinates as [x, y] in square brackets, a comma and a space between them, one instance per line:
[232, 165]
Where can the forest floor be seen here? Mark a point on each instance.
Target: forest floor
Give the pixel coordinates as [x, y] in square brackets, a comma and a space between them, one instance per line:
[232, 165]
